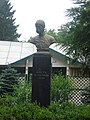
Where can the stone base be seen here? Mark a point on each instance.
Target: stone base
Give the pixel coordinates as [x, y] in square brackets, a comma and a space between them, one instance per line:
[41, 77]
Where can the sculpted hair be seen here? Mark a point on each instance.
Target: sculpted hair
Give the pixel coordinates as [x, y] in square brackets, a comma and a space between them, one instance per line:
[40, 22]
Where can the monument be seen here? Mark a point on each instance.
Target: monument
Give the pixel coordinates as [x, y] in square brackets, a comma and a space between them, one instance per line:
[41, 74]
[43, 40]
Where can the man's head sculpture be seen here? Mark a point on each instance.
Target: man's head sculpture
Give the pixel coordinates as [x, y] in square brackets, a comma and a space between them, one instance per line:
[40, 25]
[42, 40]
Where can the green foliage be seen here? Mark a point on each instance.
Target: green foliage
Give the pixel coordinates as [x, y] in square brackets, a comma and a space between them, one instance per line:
[66, 111]
[86, 95]
[22, 91]
[8, 29]
[75, 35]
[25, 111]
[8, 78]
[18, 106]
[57, 111]
[53, 33]
[60, 88]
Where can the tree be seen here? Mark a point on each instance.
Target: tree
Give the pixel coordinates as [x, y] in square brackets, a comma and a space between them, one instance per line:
[75, 35]
[8, 29]
[8, 78]
[53, 33]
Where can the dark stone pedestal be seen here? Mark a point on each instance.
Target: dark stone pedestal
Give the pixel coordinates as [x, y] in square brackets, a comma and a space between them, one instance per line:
[41, 78]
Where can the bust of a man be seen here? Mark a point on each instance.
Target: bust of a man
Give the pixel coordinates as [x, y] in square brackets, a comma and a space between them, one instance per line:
[42, 40]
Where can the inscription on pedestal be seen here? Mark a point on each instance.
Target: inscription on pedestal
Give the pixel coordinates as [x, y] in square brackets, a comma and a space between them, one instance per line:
[41, 78]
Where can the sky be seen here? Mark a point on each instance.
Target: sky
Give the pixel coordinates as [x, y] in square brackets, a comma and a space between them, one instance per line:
[29, 11]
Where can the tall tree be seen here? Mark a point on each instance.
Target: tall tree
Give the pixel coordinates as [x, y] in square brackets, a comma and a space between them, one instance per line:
[75, 35]
[8, 29]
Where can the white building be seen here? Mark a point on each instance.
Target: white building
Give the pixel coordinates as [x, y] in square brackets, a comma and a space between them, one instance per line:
[20, 54]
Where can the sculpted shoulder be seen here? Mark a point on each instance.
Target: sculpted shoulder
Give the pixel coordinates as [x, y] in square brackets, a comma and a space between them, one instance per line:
[51, 38]
[35, 37]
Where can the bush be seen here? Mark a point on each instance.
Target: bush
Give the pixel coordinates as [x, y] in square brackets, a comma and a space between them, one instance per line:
[60, 88]
[56, 111]
[86, 95]
[68, 111]
[22, 91]
[18, 106]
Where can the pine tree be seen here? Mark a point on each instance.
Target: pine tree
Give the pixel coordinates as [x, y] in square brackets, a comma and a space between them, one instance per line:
[8, 78]
[8, 29]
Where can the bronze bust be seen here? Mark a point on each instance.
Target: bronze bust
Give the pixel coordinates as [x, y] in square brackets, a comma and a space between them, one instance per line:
[42, 41]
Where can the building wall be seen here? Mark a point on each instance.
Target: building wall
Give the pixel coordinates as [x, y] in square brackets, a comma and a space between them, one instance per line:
[59, 65]
[58, 62]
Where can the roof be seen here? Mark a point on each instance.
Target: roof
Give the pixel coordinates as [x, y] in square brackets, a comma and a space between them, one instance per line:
[17, 52]
[54, 49]
[11, 52]
[59, 50]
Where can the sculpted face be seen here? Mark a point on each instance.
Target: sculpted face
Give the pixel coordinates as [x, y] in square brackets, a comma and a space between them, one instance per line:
[40, 25]
[39, 29]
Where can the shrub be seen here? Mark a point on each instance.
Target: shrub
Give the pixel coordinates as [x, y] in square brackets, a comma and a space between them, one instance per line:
[18, 106]
[56, 111]
[60, 88]
[86, 95]
[22, 91]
